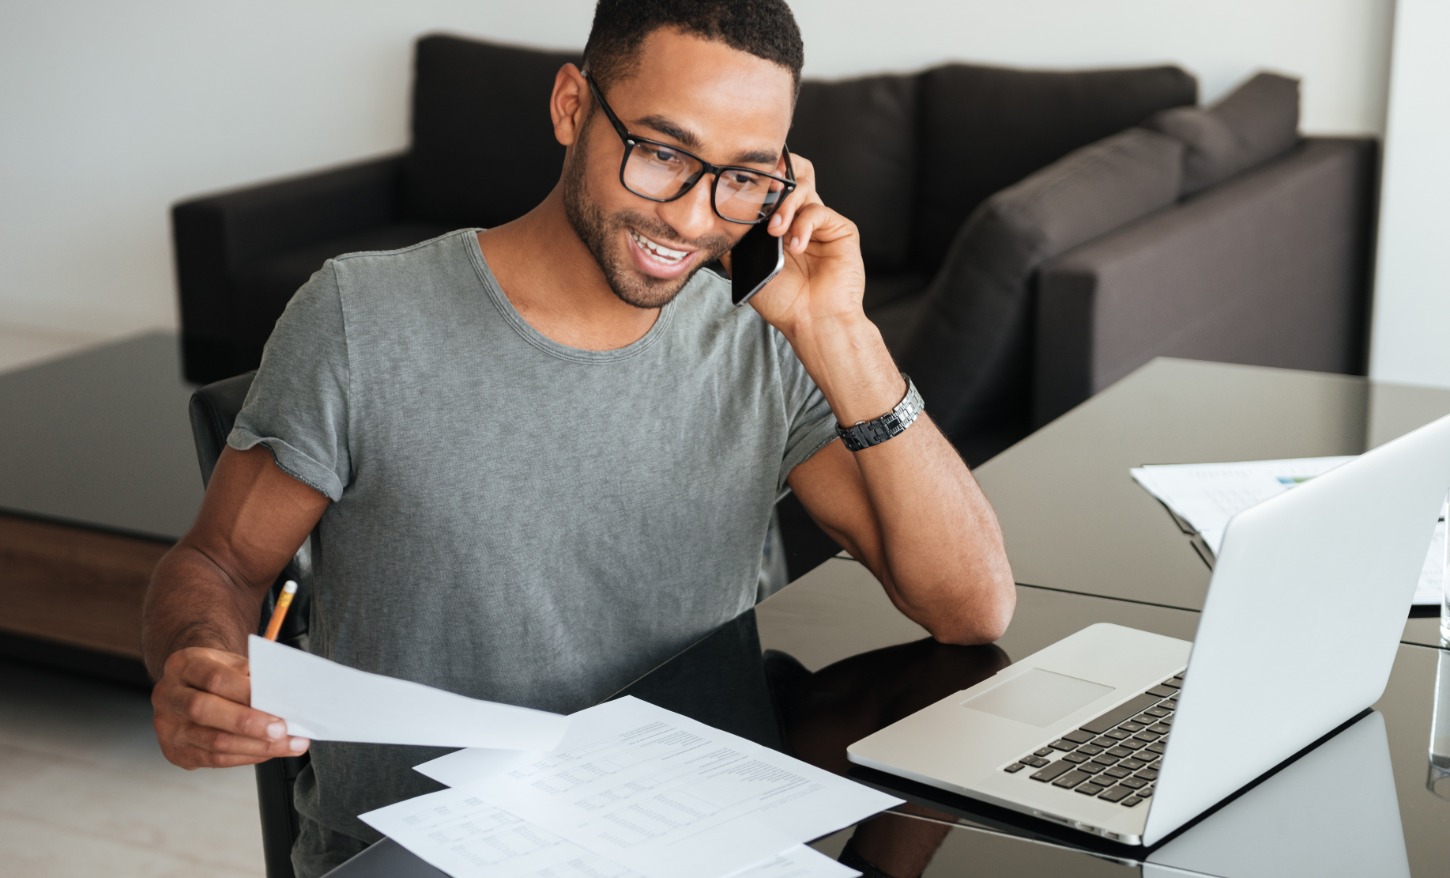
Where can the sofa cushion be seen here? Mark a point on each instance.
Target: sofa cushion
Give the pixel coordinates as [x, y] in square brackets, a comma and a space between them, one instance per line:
[483, 149]
[1256, 122]
[970, 351]
[984, 128]
[861, 136]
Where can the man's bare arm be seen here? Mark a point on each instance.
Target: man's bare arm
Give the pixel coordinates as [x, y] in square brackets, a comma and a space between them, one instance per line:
[915, 517]
[908, 508]
[206, 597]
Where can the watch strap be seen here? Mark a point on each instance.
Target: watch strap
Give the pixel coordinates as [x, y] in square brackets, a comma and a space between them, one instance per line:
[864, 434]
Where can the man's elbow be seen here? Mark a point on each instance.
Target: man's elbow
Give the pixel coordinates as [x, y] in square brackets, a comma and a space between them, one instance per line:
[980, 621]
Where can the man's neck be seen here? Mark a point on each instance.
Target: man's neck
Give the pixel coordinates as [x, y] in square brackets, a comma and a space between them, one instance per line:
[556, 285]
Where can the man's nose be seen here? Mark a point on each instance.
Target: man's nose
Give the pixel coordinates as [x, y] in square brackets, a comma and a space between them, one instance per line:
[691, 215]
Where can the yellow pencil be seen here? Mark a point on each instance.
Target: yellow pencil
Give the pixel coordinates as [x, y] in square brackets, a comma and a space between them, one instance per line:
[289, 588]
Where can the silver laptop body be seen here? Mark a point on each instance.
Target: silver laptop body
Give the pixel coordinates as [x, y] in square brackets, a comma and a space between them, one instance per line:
[1297, 635]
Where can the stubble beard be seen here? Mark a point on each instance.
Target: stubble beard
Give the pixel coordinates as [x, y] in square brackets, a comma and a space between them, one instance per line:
[598, 231]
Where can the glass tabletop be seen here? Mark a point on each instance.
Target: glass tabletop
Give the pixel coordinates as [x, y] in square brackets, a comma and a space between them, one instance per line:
[1075, 520]
[829, 660]
[1371, 794]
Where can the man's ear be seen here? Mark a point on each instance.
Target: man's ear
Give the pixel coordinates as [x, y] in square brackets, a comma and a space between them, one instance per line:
[569, 104]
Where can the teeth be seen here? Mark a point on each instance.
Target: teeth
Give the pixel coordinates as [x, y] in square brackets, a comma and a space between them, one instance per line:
[663, 253]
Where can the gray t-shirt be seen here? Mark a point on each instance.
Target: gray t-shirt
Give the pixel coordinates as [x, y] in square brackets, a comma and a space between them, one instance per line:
[514, 519]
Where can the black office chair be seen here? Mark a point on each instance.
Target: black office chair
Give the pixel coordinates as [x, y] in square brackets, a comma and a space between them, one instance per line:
[213, 409]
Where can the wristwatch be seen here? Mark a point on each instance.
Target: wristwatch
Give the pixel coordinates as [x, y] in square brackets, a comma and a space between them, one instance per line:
[864, 434]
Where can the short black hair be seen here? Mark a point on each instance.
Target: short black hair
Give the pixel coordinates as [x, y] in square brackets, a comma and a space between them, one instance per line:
[763, 28]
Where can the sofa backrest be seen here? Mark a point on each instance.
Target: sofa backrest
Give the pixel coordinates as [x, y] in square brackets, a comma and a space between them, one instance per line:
[861, 136]
[907, 157]
[483, 150]
[983, 129]
[971, 345]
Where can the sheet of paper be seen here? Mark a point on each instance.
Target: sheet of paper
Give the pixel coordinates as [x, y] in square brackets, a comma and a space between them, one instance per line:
[797, 862]
[456, 831]
[1207, 495]
[1432, 579]
[464, 767]
[326, 701]
[465, 836]
[663, 794]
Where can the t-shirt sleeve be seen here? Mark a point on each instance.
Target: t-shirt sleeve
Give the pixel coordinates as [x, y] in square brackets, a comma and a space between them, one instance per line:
[298, 404]
[812, 423]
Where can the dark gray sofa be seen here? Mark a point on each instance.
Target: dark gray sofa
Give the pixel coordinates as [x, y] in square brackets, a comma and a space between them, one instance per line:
[1029, 236]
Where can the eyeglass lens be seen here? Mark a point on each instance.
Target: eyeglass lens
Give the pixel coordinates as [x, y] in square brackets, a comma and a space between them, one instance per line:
[655, 171]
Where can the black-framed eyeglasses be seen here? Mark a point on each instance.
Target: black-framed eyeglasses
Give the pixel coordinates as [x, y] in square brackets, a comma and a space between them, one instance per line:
[661, 172]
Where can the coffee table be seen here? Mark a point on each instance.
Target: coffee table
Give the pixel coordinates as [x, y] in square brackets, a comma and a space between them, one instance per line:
[98, 477]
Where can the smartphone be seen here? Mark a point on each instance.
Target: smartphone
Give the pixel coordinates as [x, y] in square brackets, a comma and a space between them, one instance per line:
[755, 259]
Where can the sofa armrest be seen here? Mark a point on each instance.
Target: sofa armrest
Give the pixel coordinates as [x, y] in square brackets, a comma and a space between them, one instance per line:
[244, 224]
[1269, 268]
[215, 235]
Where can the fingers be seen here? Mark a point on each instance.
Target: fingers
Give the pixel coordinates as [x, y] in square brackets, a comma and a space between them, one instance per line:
[803, 217]
[202, 718]
[816, 223]
[824, 274]
[222, 673]
[804, 194]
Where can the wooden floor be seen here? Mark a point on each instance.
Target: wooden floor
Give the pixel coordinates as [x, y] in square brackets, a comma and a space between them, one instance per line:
[84, 790]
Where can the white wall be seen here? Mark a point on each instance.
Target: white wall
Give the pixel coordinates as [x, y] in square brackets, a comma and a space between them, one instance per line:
[1339, 47]
[1411, 340]
[110, 111]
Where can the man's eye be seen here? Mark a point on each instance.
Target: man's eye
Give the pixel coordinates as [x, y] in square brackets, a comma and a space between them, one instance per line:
[743, 181]
[662, 154]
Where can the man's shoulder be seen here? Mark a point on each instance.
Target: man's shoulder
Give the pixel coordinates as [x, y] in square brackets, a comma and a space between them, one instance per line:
[433, 275]
[448, 249]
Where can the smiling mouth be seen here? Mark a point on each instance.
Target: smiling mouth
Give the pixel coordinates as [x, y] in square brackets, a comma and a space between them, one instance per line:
[665, 256]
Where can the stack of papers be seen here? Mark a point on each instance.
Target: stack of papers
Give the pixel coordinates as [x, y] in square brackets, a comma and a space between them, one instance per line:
[1207, 495]
[624, 789]
[633, 791]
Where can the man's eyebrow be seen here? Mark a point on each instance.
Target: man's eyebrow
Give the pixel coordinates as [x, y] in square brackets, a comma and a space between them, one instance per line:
[690, 141]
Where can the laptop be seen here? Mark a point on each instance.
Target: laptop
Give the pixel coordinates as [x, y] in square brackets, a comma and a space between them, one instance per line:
[1298, 634]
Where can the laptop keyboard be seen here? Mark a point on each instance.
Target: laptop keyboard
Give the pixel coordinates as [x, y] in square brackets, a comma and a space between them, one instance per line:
[1114, 757]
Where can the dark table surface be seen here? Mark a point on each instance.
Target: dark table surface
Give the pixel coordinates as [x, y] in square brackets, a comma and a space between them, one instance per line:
[868, 666]
[101, 439]
[1075, 520]
[829, 660]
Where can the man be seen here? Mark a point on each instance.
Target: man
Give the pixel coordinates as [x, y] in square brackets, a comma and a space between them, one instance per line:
[542, 457]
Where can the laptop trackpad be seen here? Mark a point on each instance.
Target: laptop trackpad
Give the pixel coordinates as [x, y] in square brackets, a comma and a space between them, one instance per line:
[1037, 697]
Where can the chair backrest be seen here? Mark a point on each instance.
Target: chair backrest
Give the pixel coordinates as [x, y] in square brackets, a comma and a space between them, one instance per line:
[213, 410]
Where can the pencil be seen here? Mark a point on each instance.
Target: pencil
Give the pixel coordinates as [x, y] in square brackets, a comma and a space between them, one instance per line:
[289, 588]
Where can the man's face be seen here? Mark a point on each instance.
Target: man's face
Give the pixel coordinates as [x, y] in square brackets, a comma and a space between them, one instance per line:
[726, 106]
